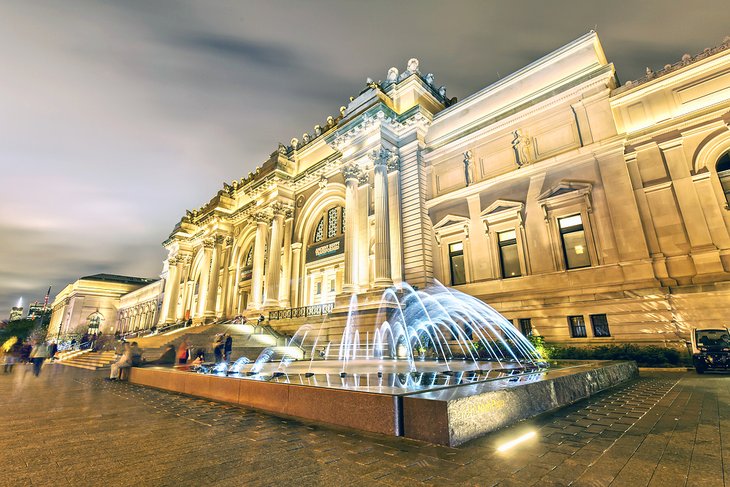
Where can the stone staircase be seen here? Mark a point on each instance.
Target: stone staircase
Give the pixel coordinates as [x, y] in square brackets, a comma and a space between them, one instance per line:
[87, 360]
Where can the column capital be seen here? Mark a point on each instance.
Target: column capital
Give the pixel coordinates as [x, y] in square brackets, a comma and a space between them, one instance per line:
[219, 239]
[208, 243]
[229, 241]
[281, 209]
[296, 246]
[351, 172]
[262, 217]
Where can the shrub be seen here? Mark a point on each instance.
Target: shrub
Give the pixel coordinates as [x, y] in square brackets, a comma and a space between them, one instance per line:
[645, 356]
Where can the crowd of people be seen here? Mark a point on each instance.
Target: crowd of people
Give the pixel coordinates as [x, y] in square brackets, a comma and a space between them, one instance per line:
[31, 351]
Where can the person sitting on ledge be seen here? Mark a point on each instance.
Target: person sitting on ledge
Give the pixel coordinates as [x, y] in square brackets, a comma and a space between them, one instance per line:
[167, 358]
[124, 362]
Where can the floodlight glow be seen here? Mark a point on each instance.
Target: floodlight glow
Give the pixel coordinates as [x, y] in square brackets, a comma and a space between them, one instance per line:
[516, 441]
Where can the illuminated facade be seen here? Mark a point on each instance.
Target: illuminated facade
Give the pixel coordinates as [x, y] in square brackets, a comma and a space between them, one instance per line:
[583, 210]
[91, 304]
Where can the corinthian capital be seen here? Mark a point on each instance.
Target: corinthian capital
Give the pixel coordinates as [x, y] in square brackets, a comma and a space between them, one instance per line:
[383, 157]
[351, 171]
[208, 243]
[262, 217]
[219, 239]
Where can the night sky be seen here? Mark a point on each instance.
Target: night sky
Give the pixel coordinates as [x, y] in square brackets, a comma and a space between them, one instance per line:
[117, 116]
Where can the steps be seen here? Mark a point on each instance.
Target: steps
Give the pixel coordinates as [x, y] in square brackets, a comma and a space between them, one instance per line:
[88, 360]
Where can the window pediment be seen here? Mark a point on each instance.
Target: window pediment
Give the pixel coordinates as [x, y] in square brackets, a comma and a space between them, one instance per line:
[502, 210]
[565, 190]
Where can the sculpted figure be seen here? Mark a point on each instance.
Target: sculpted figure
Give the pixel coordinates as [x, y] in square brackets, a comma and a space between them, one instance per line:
[294, 143]
[521, 146]
[305, 139]
[429, 79]
[468, 168]
[317, 130]
[413, 65]
[330, 121]
[392, 75]
[442, 92]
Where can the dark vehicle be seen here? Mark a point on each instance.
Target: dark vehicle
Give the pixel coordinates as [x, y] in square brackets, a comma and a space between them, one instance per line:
[710, 349]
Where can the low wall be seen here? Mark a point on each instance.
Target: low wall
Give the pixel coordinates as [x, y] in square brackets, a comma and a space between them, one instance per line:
[377, 413]
[450, 415]
[454, 416]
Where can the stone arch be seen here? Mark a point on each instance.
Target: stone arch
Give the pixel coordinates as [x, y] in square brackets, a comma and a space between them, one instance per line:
[710, 150]
[332, 195]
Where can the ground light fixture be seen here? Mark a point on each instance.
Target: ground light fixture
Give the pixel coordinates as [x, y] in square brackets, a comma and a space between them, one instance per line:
[516, 441]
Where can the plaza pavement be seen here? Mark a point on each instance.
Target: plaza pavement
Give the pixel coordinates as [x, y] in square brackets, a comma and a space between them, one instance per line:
[69, 427]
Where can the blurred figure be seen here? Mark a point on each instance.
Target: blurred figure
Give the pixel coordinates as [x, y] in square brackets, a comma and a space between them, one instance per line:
[183, 352]
[199, 357]
[136, 355]
[9, 352]
[228, 347]
[52, 349]
[125, 361]
[218, 348]
[24, 353]
[38, 354]
[167, 358]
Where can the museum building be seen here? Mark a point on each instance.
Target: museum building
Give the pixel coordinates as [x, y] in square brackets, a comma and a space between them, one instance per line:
[584, 210]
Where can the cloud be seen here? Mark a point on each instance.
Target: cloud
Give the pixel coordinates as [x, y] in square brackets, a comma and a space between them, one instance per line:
[117, 116]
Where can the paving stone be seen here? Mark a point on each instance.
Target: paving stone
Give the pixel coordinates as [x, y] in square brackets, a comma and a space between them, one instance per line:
[68, 427]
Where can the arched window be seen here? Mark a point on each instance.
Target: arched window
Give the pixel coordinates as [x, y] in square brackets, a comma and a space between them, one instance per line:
[94, 321]
[723, 172]
[331, 225]
[249, 258]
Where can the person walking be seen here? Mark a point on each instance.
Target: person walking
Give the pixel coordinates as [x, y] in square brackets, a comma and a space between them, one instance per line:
[228, 347]
[183, 352]
[218, 348]
[38, 354]
[125, 361]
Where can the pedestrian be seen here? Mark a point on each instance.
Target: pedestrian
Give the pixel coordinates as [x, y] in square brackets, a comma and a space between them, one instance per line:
[136, 355]
[228, 347]
[261, 320]
[24, 353]
[11, 348]
[218, 348]
[38, 354]
[52, 349]
[125, 361]
[183, 352]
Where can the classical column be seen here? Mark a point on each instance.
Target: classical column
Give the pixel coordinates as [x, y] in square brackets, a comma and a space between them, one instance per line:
[225, 281]
[205, 276]
[173, 277]
[184, 270]
[257, 276]
[171, 287]
[296, 257]
[363, 232]
[215, 267]
[394, 219]
[285, 289]
[351, 172]
[382, 227]
[273, 274]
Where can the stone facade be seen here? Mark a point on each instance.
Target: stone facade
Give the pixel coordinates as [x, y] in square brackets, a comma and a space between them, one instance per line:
[139, 310]
[91, 304]
[586, 211]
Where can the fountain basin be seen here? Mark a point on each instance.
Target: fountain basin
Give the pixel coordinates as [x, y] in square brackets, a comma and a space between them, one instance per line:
[441, 408]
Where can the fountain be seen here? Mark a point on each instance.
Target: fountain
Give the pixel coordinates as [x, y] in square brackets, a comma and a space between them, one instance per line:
[433, 364]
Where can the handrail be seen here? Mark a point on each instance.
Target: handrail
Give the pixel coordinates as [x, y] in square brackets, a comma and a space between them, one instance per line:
[302, 311]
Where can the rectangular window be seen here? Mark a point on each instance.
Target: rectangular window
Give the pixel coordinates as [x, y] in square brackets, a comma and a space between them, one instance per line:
[599, 323]
[508, 255]
[318, 288]
[456, 263]
[577, 326]
[525, 326]
[575, 249]
[332, 285]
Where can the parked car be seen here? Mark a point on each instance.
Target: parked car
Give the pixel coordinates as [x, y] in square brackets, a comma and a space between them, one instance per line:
[710, 348]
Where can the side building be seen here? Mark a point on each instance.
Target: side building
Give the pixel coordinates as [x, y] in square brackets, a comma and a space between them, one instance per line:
[91, 304]
[586, 211]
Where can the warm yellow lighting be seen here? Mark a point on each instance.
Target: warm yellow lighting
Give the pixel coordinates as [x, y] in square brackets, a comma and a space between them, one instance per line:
[516, 441]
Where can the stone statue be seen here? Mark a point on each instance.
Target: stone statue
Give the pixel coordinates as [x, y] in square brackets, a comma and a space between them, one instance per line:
[392, 75]
[442, 91]
[294, 143]
[342, 111]
[521, 146]
[282, 150]
[649, 73]
[317, 130]
[413, 65]
[429, 79]
[330, 121]
[468, 167]
[305, 139]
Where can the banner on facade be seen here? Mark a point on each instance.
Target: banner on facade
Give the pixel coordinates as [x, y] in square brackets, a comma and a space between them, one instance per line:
[327, 249]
